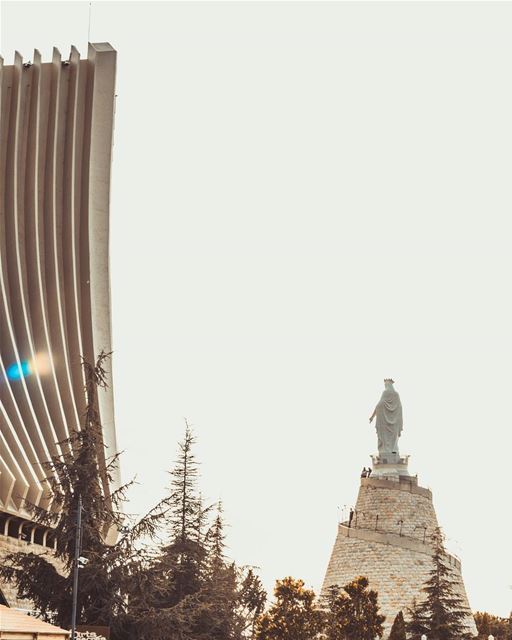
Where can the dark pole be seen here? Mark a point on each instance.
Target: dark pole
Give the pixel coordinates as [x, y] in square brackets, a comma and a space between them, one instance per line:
[76, 562]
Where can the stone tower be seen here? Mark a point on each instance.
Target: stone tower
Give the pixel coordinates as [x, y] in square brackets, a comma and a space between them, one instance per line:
[388, 537]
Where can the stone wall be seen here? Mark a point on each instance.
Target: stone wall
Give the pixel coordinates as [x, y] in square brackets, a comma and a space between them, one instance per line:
[382, 504]
[396, 564]
[13, 545]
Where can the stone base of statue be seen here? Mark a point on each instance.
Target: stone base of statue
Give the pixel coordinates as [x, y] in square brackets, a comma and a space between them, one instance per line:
[390, 465]
[389, 541]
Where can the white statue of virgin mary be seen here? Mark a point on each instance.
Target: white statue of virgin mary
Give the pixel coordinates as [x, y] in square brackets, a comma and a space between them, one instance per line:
[389, 423]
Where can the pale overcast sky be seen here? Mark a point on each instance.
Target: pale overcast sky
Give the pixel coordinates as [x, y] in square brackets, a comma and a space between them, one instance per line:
[307, 198]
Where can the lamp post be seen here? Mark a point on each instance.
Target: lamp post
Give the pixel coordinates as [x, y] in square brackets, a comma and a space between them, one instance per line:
[76, 565]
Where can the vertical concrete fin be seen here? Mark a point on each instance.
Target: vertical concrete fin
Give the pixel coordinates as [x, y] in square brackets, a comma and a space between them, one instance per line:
[102, 69]
[56, 122]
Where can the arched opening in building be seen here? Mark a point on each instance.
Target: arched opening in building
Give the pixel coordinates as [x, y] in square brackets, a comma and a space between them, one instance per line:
[12, 529]
[50, 540]
[3, 520]
[39, 536]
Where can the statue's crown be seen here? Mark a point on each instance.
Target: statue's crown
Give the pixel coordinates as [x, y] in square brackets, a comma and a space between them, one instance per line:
[389, 380]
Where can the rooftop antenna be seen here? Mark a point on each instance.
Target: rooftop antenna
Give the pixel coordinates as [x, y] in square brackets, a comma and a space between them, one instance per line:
[89, 28]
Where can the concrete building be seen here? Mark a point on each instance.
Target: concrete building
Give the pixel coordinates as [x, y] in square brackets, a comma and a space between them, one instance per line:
[56, 132]
[388, 541]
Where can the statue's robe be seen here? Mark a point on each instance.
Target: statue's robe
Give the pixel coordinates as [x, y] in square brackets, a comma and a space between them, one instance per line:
[389, 423]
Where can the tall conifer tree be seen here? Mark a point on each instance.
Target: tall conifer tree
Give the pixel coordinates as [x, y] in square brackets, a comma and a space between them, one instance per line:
[194, 593]
[234, 594]
[181, 563]
[416, 625]
[398, 629]
[443, 610]
[108, 573]
[221, 583]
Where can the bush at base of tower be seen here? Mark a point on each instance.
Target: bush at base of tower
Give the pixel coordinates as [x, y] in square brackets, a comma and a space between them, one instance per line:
[353, 612]
[489, 624]
[293, 616]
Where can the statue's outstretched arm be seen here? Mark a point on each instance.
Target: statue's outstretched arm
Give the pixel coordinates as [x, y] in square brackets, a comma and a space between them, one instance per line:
[373, 415]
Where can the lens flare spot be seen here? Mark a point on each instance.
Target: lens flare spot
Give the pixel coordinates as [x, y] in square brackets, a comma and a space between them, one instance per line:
[17, 371]
[40, 364]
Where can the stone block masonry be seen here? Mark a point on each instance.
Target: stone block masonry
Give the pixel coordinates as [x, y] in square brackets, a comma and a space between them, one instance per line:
[389, 543]
[395, 507]
[10, 545]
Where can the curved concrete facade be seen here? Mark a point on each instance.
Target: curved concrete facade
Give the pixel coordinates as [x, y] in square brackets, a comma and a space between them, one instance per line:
[388, 542]
[56, 132]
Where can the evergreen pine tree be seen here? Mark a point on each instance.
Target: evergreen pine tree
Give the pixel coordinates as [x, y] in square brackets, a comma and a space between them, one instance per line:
[234, 595]
[416, 626]
[398, 629]
[185, 590]
[251, 600]
[221, 584]
[181, 563]
[107, 577]
[171, 604]
[192, 591]
[216, 544]
[443, 609]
